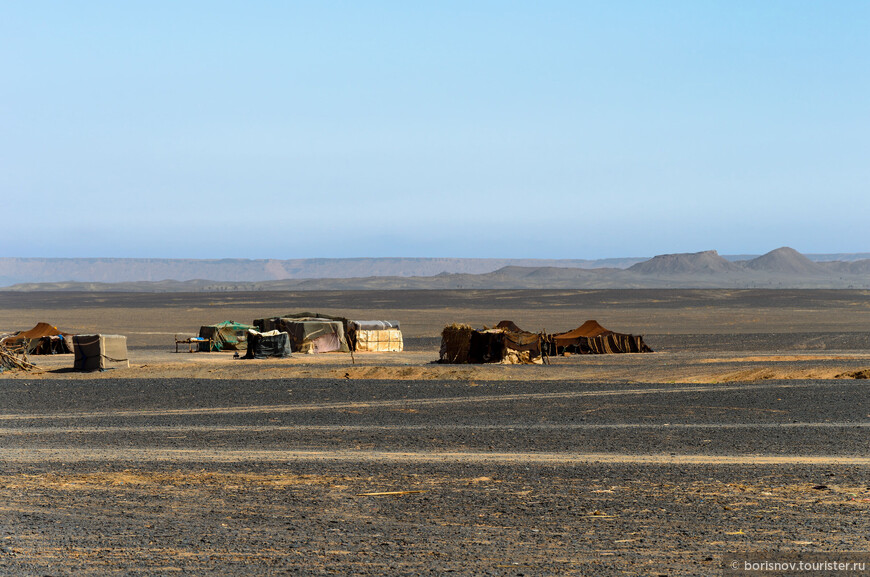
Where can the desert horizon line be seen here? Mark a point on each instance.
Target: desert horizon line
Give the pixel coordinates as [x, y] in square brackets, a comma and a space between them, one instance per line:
[439, 257]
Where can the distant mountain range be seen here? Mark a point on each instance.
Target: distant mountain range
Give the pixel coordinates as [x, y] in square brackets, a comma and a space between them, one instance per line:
[780, 268]
[122, 270]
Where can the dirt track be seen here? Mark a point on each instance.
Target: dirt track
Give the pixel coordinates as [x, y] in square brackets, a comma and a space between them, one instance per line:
[630, 464]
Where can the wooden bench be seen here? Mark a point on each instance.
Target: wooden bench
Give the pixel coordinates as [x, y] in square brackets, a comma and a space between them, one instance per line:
[192, 343]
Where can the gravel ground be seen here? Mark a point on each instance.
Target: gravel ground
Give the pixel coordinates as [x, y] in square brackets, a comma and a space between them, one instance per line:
[747, 431]
[192, 476]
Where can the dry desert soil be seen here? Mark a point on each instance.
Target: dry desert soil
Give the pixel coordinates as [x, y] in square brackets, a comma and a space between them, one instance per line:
[746, 430]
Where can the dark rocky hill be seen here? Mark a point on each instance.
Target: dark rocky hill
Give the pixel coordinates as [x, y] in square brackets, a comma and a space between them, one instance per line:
[786, 261]
[706, 262]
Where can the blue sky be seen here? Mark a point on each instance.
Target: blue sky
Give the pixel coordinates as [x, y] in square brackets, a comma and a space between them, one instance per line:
[470, 129]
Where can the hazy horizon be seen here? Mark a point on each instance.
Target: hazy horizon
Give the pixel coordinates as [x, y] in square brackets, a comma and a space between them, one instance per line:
[740, 256]
[780, 268]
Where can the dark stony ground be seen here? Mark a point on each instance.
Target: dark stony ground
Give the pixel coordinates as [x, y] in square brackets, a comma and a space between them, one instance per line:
[599, 476]
[162, 477]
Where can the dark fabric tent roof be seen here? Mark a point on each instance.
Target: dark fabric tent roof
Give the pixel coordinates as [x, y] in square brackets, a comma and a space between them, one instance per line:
[588, 329]
[43, 339]
[308, 315]
[509, 326]
[592, 338]
[41, 330]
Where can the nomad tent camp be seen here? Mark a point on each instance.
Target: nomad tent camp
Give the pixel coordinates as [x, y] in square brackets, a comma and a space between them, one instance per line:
[265, 345]
[99, 352]
[592, 338]
[375, 336]
[310, 332]
[43, 339]
[225, 336]
[505, 344]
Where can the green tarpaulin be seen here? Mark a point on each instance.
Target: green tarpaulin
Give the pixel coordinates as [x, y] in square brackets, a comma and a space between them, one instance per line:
[225, 336]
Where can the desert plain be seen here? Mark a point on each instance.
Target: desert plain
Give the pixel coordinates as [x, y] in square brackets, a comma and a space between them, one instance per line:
[746, 430]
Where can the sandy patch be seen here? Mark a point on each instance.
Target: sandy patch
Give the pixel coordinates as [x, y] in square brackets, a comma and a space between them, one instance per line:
[773, 373]
[671, 367]
[144, 479]
[40, 455]
[783, 358]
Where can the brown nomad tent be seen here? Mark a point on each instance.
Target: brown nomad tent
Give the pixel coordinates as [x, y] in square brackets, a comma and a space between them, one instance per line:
[592, 338]
[506, 344]
[43, 339]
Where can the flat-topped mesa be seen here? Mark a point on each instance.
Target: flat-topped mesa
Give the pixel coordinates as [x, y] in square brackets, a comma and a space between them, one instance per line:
[705, 262]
